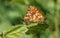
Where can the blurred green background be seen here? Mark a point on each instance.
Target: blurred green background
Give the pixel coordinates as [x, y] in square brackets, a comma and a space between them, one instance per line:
[11, 19]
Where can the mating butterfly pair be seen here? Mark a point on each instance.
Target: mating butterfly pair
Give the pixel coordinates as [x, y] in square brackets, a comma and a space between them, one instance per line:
[33, 15]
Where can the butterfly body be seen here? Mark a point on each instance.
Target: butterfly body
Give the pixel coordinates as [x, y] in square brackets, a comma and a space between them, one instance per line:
[33, 15]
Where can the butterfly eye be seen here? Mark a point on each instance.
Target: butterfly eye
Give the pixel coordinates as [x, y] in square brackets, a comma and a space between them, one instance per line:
[33, 15]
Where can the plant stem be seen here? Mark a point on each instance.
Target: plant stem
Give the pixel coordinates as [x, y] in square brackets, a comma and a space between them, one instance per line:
[37, 35]
[56, 20]
[3, 34]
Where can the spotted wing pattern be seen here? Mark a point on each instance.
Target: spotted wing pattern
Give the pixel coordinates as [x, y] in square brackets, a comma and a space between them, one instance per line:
[33, 15]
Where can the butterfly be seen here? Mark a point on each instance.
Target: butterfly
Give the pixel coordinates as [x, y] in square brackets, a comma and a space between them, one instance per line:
[33, 15]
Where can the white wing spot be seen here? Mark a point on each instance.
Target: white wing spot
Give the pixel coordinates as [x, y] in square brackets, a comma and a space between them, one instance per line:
[39, 16]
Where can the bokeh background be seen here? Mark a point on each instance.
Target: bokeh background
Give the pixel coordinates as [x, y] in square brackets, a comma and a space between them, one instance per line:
[11, 19]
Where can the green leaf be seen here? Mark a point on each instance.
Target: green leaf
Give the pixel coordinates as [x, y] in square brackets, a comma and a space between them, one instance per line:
[16, 32]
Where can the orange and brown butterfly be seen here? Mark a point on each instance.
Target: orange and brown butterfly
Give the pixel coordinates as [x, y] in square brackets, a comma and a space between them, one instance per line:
[33, 15]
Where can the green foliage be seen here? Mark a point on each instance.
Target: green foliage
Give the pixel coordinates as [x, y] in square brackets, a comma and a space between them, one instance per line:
[37, 28]
[16, 32]
[12, 13]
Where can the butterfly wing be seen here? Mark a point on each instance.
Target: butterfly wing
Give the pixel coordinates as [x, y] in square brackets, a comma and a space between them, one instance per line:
[33, 15]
